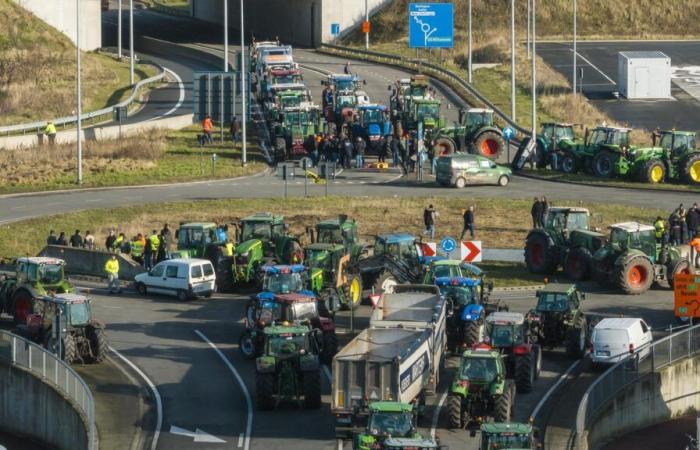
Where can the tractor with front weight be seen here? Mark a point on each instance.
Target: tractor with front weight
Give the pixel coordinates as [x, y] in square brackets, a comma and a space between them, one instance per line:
[63, 324]
[566, 241]
[392, 426]
[508, 333]
[558, 319]
[292, 127]
[475, 133]
[633, 259]
[547, 142]
[503, 436]
[35, 277]
[597, 153]
[481, 390]
[288, 368]
[263, 240]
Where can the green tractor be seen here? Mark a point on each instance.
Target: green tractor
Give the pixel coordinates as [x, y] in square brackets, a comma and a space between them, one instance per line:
[475, 133]
[558, 319]
[480, 390]
[284, 96]
[597, 153]
[293, 126]
[263, 240]
[289, 368]
[566, 240]
[675, 159]
[391, 425]
[206, 240]
[341, 231]
[547, 143]
[508, 436]
[333, 278]
[633, 259]
[35, 277]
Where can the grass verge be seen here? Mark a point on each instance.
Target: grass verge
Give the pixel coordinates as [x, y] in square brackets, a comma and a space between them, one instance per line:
[505, 274]
[500, 223]
[150, 158]
[546, 174]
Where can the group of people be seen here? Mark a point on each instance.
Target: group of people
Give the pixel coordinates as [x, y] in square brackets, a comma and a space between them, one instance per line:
[208, 129]
[76, 240]
[146, 249]
[539, 211]
[682, 226]
[430, 216]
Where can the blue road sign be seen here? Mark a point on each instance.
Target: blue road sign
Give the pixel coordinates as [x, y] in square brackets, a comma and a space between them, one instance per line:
[508, 133]
[335, 29]
[430, 25]
[448, 244]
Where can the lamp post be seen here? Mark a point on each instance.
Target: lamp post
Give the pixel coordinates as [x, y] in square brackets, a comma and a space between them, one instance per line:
[78, 93]
[367, 21]
[534, 72]
[225, 36]
[512, 60]
[244, 91]
[131, 41]
[573, 84]
[469, 43]
[119, 29]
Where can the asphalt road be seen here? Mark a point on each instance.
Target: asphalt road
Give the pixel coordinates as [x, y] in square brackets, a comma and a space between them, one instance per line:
[600, 77]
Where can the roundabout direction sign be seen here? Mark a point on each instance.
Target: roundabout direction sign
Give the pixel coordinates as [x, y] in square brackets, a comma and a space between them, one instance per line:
[448, 245]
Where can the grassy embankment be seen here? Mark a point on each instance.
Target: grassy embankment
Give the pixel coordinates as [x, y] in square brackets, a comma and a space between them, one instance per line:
[37, 71]
[502, 224]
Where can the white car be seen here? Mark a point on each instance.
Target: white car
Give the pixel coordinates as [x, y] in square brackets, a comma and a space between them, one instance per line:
[613, 339]
[182, 278]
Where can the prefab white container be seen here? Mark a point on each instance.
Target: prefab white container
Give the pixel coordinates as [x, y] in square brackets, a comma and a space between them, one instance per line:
[644, 75]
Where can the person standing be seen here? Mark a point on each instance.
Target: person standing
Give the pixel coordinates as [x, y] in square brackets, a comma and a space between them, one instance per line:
[659, 229]
[50, 131]
[394, 146]
[112, 270]
[119, 242]
[138, 245]
[429, 215]
[348, 149]
[51, 240]
[536, 212]
[109, 242]
[151, 253]
[160, 253]
[676, 229]
[692, 220]
[468, 217]
[405, 163]
[682, 214]
[207, 128]
[235, 129]
[545, 212]
[360, 148]
[166, 235]
[76, 240]
[89, 240]
[62, 239]
[383, 149]
[695, 245]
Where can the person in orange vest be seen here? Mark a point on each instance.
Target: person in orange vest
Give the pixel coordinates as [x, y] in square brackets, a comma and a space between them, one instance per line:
[207, 127]
[695, 244]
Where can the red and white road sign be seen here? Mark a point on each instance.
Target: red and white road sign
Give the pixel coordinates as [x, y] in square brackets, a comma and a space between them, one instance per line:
[429, 248]
[470, 251]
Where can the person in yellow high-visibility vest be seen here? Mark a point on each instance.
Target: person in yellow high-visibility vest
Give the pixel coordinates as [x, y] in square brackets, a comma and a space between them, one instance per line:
[50, 131]
[153, 243]
[112, 270]
[660, 229]
[229, 248]
[137, 246]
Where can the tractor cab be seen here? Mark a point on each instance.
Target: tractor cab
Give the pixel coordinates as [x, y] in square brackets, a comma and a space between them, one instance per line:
[42, 273]
[341, 231]
[610, 136]
[476, 117]
[505, 330]
[344, 82]
[400, 246]
[262, 226]
[451, 268]
[460, 291]
[676, 143]
[373, 121]
[388, 420]
[427, 112]
[635, 236]
[565, 223]
[74, 309]
[285, 340]
[193, 238]
[559, 298]
[557, 131]
[283, 279]
[508, 436]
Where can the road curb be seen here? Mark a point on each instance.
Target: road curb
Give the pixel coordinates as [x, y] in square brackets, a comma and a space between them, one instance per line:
[605, 186]
[519, 288]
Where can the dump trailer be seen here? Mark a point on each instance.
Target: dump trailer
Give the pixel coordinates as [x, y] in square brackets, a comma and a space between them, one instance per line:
[397, 359]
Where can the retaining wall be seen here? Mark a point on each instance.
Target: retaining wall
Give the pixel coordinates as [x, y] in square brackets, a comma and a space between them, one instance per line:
[31, 407]
[80, 261]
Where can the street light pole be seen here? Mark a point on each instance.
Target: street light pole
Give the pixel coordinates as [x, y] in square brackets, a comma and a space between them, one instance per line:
[534, 72]
[119, 30]
[366, 20]
[78, 93]
[573, 84]
[225, 36]
[469, 43]
[512, 60]
[131, 41]
[529, 8]
[244, 91]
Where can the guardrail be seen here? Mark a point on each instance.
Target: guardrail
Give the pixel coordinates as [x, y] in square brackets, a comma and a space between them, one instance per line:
[659, 354]
[419, 65]
[69, 120]
[20, 352]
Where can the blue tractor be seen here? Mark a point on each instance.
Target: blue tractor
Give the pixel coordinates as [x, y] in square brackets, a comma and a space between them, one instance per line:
[374, 124]
[468, 305]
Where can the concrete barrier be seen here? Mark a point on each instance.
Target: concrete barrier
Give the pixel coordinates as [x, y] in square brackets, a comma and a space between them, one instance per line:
[60, 14]
[30, 407]
[80, 261]
[671, 392]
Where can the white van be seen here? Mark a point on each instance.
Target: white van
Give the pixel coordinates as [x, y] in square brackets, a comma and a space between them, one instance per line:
[615, 338]
[183, 278]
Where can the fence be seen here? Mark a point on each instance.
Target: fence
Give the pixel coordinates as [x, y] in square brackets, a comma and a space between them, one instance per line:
[632, 369]
[50, 369]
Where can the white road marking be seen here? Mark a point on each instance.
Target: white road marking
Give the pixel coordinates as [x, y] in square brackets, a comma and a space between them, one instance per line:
[156, 395]
[327, 372]
[240, 439]
[249, 401]
[436, 415]
[594, 66]
[551, 390]
[181, 99]
[198, 435]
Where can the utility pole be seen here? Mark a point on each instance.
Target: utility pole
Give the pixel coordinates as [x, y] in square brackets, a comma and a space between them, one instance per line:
[367, 21]
[225, 39]
[534, 72]
[512, 60]
[573, 84]
[77, 91]
[244, 91]
[131, 41]
[529, 9]
[469, 44]
[119, 30]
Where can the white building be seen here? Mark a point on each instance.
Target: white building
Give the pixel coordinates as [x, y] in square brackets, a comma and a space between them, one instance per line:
[644, 75]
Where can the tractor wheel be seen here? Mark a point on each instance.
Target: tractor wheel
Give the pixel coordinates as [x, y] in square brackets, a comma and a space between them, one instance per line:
[444, 146]
[472, 332]
[312, 389]
[385, 282]
[354, 289]
[525, 372]
[577, 265]
[538, 254]
[454, 412]
[489, 144]
[576, 343]
[265, 391]
[635, 276]
[604, 165]
[70, 349]
[569, 163]
[246, 345]
[503, 405]
[280, 149]
[22, 301]
[690, 172]
[98, 344]
[681, 266]
[653, 172]
[329, 348]
[537, 350]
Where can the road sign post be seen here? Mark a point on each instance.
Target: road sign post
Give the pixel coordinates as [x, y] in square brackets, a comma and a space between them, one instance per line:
[431, 25]
[508, 134]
